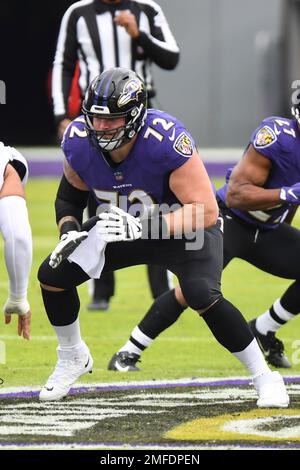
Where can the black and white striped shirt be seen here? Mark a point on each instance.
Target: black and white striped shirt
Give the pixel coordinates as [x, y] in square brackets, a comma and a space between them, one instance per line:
[88, 34]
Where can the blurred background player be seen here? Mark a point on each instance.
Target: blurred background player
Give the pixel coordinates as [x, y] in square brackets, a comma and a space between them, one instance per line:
[258, 203]
[97, 35]
[16, 233]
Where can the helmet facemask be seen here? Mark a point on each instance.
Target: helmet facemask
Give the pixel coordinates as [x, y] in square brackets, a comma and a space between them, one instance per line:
[111, 139]
[117, 92]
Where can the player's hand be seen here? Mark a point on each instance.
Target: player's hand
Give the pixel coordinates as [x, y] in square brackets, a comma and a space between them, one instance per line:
[68, 243]
[291, 194]
[22, 309]
[117, 225]
[128, 21]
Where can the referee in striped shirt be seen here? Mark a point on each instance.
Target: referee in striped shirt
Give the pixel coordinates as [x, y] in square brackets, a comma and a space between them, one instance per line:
[109, 33]
[99, 34]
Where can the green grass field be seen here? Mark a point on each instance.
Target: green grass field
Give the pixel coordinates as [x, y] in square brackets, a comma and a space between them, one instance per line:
[187, 349]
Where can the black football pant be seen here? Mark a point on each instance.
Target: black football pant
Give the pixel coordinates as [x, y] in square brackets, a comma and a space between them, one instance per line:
[275, 251]
[198, 272]
[104, 288]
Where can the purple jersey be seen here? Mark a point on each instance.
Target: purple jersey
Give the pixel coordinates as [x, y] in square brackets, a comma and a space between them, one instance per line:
[162, 145]
[277, 139]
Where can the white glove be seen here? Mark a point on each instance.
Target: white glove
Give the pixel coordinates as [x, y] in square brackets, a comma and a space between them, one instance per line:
[21, 307]
[117, 225]
[68, 243]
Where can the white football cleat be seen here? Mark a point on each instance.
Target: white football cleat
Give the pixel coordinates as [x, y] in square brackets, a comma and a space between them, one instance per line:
[271, 391]
[71, 365]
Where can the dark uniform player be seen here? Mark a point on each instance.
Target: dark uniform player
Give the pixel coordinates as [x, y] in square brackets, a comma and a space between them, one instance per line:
[120, 150]
[263, 189]
[256, 201]
[99, 34]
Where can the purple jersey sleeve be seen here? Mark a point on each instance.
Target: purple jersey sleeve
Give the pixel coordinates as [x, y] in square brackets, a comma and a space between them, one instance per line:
[273, 138]
[169, 144]
[180, 149]
[75, 145]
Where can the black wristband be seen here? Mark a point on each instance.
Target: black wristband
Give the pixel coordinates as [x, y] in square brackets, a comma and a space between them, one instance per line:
[155, 228]
[68, 226]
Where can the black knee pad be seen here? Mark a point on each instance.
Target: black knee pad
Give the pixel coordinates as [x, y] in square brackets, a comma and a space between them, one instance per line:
[200, 294]
[49, 276]
[66, 276]
[43, 272]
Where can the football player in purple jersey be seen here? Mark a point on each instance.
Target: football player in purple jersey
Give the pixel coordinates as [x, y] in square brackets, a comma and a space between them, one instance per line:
[145, 164]
[96, 35]
[257, 203]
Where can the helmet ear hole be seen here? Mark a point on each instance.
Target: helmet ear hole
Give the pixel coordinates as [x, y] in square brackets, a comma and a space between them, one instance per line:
[117, 92]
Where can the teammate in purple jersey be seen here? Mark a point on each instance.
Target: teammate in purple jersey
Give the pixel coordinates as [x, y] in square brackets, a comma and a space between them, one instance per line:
[258, 202]
[128, 156]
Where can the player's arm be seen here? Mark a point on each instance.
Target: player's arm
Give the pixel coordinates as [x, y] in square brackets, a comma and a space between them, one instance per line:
[192, 187]
[159, 44]
[16, 231]
[12, 185]
[245, 189]
[71, 200]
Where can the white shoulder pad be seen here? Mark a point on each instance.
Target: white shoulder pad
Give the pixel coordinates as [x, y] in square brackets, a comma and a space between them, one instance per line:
[4, 160]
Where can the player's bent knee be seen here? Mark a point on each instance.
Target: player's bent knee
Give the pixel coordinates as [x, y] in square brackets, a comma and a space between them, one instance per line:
[46, 276]
[200, 295]
[179, 296]
[43, 273]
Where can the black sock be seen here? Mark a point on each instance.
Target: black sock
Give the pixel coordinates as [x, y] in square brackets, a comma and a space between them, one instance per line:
[164, 311]
[291, 298]
[228, 326]
[61, 307]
